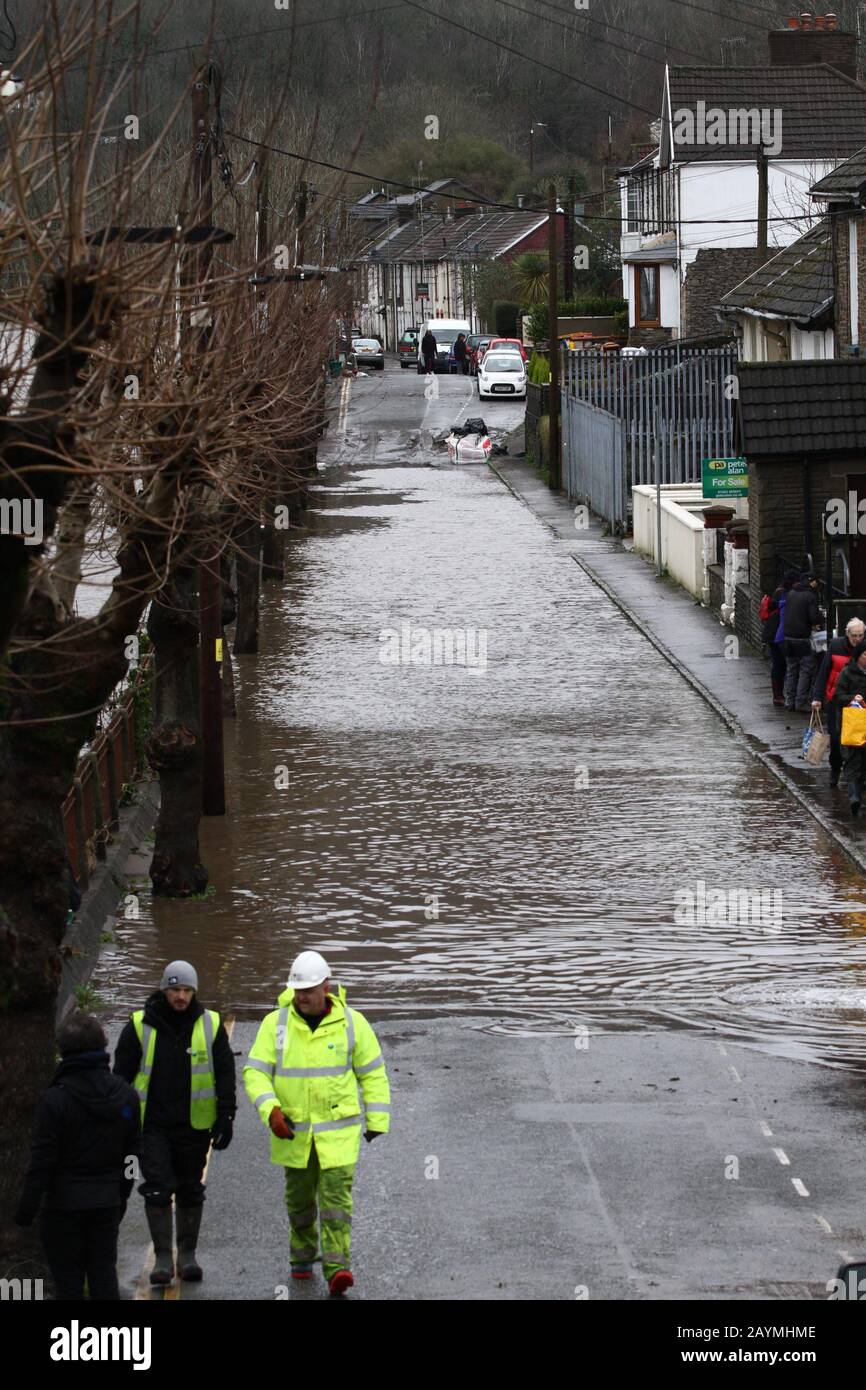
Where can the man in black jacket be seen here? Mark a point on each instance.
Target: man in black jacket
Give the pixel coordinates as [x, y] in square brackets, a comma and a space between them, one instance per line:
[179, 1057]
[84, 1139]
[802, 616]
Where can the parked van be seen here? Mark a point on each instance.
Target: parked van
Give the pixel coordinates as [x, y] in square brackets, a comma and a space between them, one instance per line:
[445, 332]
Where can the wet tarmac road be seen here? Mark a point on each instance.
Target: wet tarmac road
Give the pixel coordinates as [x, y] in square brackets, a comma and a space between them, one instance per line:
[560, 837]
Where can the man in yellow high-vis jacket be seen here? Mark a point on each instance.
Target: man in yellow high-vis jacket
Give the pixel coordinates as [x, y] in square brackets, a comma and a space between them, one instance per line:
[302, 1075]
[177, 1055]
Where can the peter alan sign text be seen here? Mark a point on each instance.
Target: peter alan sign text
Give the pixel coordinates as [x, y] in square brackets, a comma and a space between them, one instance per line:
[726, 477]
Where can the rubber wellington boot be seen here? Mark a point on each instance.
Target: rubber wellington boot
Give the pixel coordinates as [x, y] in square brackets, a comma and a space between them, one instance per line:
[159, 1221]
[339, 1283]
[188, 1223]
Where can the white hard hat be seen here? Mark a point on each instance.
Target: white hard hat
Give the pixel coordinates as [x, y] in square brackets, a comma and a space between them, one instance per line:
[308, 970]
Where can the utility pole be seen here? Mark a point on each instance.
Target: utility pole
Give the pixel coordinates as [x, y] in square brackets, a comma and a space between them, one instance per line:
[262, 186]
[205, 93]
[553, 338]
[568, 240]
[762, 205]
[301, 218]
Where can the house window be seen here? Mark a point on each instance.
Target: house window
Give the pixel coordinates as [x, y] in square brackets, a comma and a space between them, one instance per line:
[646, 296]
[632, 220]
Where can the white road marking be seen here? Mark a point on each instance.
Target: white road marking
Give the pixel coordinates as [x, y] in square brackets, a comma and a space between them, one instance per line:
[823, 1223]
[734, 1073]
[800, 1186]
[847, 1257]
[765, 1130]
[782, 1157]
[722, 1049]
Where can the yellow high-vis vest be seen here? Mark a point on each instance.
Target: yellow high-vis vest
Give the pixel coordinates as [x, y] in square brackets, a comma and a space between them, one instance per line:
[202, 1098]
[314, 1076]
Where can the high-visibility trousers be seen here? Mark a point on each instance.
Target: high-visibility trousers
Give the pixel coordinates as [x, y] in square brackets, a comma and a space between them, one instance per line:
[329, 1190]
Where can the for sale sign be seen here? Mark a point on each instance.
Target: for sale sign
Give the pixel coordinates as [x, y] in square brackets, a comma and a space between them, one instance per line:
[724, 477]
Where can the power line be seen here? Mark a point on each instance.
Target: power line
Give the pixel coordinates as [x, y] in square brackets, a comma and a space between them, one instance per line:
[602, 24]
[482, 202]
[506, 48]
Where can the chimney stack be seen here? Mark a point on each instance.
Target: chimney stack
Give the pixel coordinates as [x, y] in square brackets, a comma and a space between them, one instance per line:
[812, 38]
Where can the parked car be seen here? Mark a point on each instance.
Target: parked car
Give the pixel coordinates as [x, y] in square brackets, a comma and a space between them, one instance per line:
[476, 355]
[471, 344]
[445, 332]
[407, 348]
[508, 343]
[501, 374]
[369, 353]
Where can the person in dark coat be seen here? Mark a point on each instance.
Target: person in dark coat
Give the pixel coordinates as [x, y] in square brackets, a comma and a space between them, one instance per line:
[85, 1138]
[461, 356]
[802, 616]
[174, 1149]
[774, 635]
[852, 682]
[835, 659]
[428, 351]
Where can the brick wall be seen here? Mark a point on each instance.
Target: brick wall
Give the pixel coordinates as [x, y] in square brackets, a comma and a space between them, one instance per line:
[786, 510]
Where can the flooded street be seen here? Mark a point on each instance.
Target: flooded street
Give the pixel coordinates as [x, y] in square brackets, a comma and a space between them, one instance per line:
[535, 839]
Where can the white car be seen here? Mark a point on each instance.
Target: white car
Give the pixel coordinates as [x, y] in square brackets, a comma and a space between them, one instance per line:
[501, 374]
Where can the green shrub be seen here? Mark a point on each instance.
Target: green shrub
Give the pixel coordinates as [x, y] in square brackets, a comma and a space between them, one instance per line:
[539, 369]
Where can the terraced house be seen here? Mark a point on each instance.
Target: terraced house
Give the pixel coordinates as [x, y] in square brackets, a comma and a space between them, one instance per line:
[739, 150]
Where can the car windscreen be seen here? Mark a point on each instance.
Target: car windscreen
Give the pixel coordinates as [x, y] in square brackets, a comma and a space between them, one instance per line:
[503, 362]
[366, 343]
[446, 337]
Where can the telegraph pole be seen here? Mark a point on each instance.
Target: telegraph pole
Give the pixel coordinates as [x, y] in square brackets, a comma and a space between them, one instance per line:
[301, 217]
[205, 93]
[762, 206]
[553, 338]
[568, 240]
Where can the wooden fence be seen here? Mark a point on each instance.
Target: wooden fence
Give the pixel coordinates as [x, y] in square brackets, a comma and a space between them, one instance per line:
[92, 807]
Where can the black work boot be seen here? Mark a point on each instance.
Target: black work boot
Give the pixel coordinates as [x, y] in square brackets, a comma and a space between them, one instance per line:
[159, 1221]
[188, 1223]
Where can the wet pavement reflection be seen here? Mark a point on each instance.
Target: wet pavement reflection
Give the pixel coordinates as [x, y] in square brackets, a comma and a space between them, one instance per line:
[535, 840]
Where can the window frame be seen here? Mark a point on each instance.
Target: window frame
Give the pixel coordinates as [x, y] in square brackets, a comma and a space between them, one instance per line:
[639, 321]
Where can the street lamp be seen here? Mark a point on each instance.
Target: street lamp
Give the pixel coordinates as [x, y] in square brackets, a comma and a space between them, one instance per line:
[536, 125]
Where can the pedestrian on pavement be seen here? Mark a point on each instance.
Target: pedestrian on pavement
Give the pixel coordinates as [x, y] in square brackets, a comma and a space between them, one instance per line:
[801, 617]
[461, 356]
[839, 652]
[428, 351]
[772, 632]
[850, 684]
[178, 1055]
[85, 1137]
[302, 1076]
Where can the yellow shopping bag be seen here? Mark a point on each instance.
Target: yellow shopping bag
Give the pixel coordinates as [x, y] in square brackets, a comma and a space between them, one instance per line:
[853, 727]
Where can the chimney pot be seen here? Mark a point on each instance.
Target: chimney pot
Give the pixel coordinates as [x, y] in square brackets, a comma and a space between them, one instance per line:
[805, 20]
[793, 22]
[819, 21]
[831, 21]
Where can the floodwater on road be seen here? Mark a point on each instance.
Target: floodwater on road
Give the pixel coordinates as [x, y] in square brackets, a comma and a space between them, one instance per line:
[561, 835]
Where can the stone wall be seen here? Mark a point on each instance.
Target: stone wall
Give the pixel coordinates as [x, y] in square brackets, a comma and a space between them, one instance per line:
[649, 337]
[536, 406]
